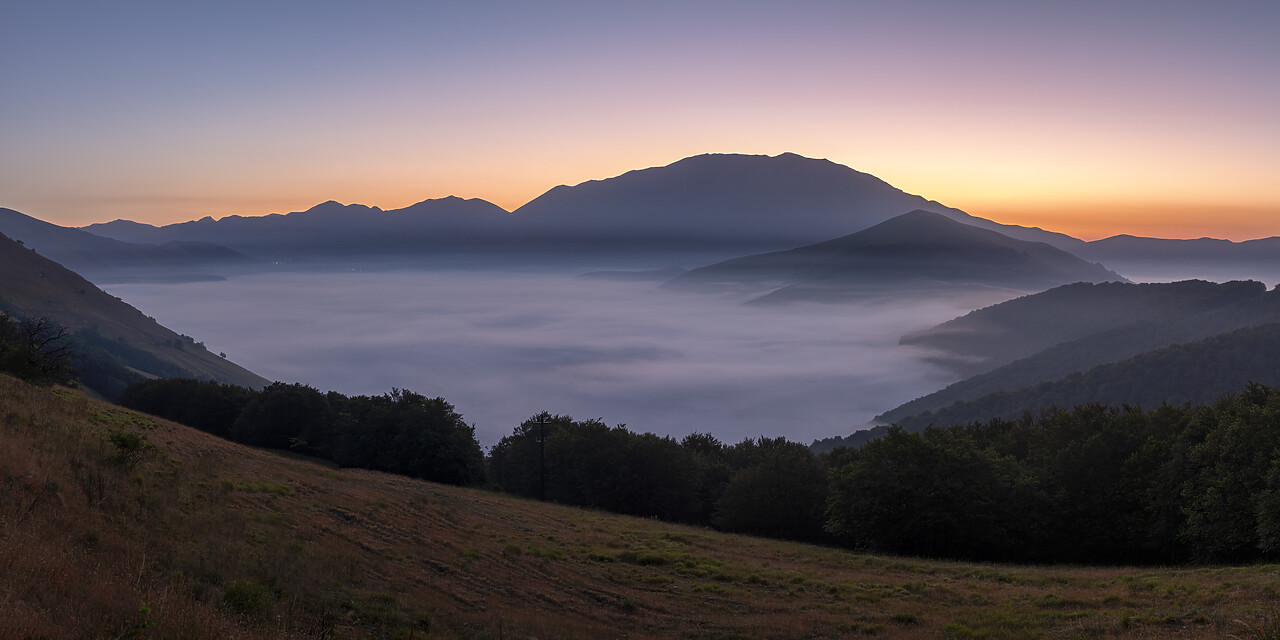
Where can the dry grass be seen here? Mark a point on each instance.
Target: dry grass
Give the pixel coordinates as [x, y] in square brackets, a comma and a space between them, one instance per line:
[223, 541]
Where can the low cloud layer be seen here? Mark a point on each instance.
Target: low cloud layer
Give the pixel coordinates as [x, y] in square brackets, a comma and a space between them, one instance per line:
[502, 346]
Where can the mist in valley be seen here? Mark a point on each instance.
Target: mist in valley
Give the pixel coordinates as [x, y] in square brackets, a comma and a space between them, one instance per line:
[502, 344]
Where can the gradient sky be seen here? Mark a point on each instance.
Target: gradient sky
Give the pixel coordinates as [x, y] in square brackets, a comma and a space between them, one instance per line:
[1091, 118]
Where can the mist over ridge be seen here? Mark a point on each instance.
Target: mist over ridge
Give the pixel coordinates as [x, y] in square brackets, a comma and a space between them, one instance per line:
[487, 308]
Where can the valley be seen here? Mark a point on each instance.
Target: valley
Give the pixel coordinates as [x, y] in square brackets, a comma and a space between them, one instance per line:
[503, 344]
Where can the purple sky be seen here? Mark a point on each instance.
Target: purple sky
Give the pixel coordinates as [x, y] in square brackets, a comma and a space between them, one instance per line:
[1092, 118]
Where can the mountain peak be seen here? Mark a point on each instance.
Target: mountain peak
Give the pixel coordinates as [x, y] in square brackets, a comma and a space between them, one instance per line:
[915, 251]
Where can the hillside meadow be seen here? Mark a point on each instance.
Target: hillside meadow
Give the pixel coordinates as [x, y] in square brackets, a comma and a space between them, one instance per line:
[114, 524]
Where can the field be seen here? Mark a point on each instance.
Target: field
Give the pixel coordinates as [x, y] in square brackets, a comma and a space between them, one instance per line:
[118, 525]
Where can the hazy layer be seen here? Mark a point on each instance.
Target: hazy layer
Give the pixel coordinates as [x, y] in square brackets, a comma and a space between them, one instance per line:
[502, 346]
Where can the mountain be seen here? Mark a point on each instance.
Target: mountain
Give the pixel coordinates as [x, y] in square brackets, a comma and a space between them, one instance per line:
[1071, 329]
[749, 200]
[333, 228]
[107, 259]
[1150, 314]
[115, 343]
[1124, 248]
[739, 203]
[1197, 372]
[915, 251]
[753, 202]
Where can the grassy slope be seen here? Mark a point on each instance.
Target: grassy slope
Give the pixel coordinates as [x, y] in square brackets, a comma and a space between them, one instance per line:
[223, 541]
[36, 286]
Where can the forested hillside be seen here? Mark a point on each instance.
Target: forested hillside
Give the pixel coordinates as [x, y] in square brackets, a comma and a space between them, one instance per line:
[1198, 373]
[1105, 322]
[1091, 324]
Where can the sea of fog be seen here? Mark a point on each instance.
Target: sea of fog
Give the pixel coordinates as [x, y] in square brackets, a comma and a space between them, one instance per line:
[503, 345]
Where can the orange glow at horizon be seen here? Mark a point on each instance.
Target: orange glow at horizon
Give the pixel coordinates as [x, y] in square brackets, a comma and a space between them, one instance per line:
[1095, 221]
[1089, 215]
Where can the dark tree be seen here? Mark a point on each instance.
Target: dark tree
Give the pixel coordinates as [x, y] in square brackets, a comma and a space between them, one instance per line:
[279, 415]
[208, 406]
[781, 494]
[933, 494]
[38, 351]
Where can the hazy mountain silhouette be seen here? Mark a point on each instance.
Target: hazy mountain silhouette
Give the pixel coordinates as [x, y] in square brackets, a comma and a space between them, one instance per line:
[1197, 372]
[738, 202]
[122, 343]
[1072, 328]
[331, 227]
[919, 250]
[1127, 248]
[749, 200]
[756, 202]
[107, 259]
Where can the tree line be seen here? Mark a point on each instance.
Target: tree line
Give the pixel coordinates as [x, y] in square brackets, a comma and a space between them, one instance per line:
[765, 486]
[1096, 484]
[399, 432]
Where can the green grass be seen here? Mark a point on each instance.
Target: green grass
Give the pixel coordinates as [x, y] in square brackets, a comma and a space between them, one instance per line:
[220, 540]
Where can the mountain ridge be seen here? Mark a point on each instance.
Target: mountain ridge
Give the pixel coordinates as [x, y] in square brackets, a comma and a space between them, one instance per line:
[1196, 372]
[326, 227]
[127, 344]
[108, 259]
[917, 250]
[753, 203]
[1072, 329]
[762, 202]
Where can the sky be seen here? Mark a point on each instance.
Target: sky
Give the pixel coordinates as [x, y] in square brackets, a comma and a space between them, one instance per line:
[1090, 118]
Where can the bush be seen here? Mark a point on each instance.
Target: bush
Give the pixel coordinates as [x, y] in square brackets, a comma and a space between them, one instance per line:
[247, 598]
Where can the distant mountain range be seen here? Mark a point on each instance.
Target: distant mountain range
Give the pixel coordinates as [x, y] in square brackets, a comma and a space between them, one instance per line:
[754, 202]
[918, 251]
[1127, 248]
[736, 204]
[331, 228]
[107, 259]
[760, 203]
[115, 344]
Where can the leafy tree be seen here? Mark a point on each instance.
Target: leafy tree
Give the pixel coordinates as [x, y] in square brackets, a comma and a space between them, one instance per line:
[781, 494]
[278, 415]
[1221, 499]
[713, 469]
[932, 494]
[209, 406]
[590, 464]
[401, 432]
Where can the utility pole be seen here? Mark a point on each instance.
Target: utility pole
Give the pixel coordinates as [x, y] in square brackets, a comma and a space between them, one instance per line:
[542, 456]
